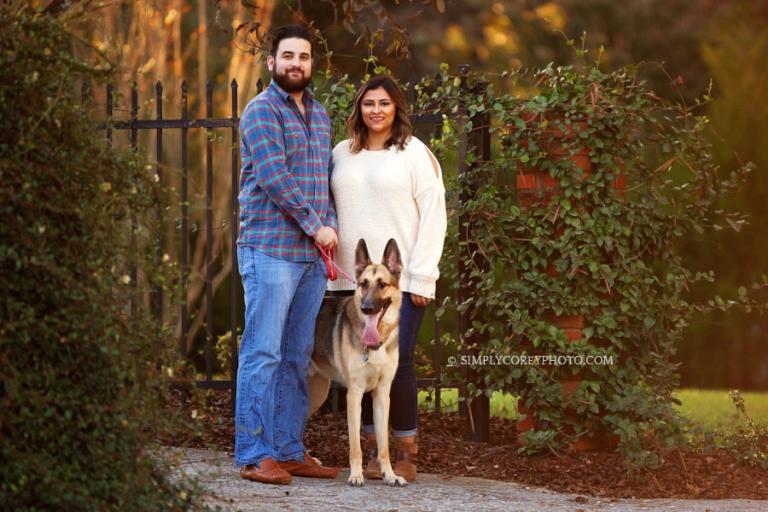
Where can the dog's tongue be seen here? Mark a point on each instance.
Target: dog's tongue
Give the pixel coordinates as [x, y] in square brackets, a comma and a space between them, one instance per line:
[370, 331]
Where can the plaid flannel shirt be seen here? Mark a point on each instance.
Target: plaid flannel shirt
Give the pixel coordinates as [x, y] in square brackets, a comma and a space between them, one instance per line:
[284, 196]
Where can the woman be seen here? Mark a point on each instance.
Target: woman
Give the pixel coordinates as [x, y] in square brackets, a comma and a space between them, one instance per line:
[387, 184]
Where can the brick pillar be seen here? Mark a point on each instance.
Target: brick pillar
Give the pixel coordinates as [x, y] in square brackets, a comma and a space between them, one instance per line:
[535, 186]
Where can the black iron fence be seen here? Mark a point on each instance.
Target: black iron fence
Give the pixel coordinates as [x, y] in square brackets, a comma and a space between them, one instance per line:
[477, 140]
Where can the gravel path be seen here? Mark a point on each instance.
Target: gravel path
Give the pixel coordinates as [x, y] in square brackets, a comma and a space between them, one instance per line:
[216, 472]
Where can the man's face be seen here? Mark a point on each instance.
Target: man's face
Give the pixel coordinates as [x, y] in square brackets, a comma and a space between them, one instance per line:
[291, 68]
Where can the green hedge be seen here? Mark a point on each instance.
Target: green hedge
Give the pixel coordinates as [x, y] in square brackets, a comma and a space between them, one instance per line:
[79, 377]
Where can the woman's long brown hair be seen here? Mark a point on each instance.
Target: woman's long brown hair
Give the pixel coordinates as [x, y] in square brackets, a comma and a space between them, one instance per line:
[401, 127]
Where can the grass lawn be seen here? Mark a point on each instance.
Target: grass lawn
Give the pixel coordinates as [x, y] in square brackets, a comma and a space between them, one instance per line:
[502, 404]
[712, 409]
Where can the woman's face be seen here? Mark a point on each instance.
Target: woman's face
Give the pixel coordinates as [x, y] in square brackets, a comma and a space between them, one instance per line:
[378, 110]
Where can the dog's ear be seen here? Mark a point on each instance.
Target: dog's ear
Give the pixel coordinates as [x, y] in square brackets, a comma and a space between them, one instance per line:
[362, 259]
[391, 258]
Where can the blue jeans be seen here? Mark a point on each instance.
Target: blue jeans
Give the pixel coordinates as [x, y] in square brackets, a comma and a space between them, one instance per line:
[282, 299]
[403, 405]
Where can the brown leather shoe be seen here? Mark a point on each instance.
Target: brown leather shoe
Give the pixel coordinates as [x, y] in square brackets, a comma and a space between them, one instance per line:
[372, 470]
[310, 468]
[268, 472]
[405, 463]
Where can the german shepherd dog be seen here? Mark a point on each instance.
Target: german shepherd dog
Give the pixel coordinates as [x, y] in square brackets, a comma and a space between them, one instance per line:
[356, 345]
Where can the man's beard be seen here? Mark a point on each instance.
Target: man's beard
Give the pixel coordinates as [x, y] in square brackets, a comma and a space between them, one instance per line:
[291, 85]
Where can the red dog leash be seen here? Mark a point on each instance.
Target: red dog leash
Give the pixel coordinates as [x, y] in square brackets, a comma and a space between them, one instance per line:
[330, 266]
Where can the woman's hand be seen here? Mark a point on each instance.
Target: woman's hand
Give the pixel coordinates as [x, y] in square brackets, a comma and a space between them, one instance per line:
[419, 301]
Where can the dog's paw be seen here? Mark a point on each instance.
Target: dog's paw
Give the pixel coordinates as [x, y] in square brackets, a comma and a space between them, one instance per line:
[356, 480]
[395, 481]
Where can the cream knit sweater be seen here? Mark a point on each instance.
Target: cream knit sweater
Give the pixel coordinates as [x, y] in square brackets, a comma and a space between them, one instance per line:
[390, 194]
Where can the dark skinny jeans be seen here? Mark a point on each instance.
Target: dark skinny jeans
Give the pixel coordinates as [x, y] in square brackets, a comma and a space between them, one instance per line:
[402, 396]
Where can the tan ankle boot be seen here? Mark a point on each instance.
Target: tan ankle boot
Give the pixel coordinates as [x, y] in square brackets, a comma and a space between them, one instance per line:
[405, 463]
[372, 470]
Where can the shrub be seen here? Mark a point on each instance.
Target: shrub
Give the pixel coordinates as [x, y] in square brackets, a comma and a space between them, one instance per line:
[579, 245]
[79, 375]
[748, 443]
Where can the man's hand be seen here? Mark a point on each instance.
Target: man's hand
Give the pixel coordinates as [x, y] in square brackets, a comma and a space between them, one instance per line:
[326, 238]
[420, 301]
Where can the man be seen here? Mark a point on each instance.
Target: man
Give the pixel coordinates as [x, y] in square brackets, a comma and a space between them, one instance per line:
[285, 209]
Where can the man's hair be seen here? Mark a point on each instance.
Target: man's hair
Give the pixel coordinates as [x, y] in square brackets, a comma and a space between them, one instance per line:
[287, 32]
